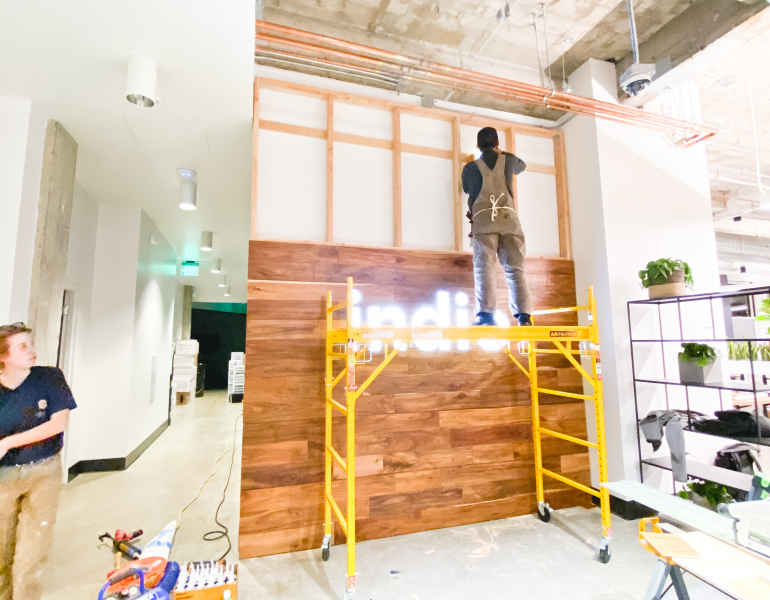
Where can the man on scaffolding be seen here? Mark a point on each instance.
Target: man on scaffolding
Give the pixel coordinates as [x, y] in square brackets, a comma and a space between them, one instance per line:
[495, 229]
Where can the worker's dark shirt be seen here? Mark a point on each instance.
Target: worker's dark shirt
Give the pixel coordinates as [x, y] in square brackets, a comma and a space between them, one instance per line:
[42, 394]
[472, 180]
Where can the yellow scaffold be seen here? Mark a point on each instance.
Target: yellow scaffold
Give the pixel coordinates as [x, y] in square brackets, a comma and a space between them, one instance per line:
[569, 341]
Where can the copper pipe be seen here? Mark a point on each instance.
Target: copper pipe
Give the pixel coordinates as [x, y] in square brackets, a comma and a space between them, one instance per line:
[327, 62]
[545, 97]
[429, 65]
[470, 81]
[586, 112]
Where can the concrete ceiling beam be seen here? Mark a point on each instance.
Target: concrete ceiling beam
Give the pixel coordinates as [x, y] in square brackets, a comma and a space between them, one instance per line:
[692, 31]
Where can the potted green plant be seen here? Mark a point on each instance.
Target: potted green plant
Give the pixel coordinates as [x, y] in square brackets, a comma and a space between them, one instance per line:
[706, 494]
[666, 277]
[764, 308]
[698, 364]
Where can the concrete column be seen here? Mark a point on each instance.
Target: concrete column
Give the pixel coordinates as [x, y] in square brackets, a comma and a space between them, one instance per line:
[187, 312]
[633, 198]
[49, 265]
[22, 135]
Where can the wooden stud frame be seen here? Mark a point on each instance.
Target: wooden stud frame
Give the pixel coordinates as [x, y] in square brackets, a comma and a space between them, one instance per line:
[398, 108]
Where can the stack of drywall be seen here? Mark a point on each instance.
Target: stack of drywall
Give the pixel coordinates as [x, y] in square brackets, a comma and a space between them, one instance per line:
[236, 374]
[185, 370]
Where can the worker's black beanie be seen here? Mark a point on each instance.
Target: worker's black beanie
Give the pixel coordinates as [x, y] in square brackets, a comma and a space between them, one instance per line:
[487, 138]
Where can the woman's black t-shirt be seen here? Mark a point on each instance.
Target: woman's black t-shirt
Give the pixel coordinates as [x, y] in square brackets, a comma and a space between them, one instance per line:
[43, 393]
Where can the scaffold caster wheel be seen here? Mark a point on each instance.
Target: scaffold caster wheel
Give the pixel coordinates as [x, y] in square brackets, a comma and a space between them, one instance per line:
[543, 512]
[326, 547]
[604, 552]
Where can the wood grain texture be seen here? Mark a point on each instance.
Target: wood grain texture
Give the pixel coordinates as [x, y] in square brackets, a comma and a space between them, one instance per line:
[443, 438]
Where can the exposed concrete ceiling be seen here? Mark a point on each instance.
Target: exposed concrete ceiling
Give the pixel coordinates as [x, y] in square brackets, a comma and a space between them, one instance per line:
[470, 34]
[725, 102]
[464, 33]
[70, 58]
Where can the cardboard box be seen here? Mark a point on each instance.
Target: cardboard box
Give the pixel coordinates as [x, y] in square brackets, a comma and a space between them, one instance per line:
[189, 347]
[215, 593]
[185, 385]
[185, 360]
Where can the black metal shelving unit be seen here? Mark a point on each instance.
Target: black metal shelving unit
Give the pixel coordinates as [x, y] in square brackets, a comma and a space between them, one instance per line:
[726, 300]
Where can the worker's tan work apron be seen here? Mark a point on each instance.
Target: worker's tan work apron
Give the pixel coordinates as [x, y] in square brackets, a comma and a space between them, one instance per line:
[497, 234]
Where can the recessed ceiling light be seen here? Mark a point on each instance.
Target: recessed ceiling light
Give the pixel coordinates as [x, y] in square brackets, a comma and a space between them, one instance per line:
[223, 283]
[227, 291]
[141, 81]
[189, 192]
[216, 266]
[207, 241]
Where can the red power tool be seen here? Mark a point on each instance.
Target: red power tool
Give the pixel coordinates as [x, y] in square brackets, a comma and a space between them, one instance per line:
[121, 544]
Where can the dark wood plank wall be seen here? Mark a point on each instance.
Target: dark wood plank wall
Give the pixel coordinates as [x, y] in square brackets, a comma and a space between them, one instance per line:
[443, 438]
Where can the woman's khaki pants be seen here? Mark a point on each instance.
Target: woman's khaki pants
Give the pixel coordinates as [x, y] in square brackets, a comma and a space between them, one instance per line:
[29, 498]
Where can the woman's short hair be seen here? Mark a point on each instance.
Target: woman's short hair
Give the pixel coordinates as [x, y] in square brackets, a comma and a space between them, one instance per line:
[6, 332]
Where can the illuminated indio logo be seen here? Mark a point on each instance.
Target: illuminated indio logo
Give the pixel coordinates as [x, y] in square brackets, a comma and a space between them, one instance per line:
[440, 314]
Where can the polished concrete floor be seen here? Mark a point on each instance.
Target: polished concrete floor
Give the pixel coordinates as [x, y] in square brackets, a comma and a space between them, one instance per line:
[148, 495]
[519, 558]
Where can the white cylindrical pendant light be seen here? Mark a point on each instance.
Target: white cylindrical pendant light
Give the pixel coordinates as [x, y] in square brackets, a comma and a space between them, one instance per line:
[141, 81]
[223, 283]
[227, 290]
[207, 241]
[189, 192]
[216, 265]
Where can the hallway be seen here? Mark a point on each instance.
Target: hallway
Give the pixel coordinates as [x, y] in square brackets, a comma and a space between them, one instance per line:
[148, 495]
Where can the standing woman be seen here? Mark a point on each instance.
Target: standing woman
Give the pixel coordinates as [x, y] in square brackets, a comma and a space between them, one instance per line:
[34, 409]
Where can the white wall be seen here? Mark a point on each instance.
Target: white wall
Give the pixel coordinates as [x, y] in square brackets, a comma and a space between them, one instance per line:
[106, 403]
[125, 304]
[153, 324]
[79, 279]
[633, 199]
[22, 138]
[132, 305]
[291, 195]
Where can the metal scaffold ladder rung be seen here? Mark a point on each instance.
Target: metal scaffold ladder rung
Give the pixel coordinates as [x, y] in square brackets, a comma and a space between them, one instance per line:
[339, 459]
[561, 337]
[568, 438]
[338, 406]
[565, 394]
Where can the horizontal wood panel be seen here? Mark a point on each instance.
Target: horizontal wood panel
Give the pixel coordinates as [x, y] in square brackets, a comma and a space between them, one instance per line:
[443, 438]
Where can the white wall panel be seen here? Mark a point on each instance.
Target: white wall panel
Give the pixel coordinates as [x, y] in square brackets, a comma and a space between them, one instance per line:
[363, 195]
[362, 120]
[424, 131]
[427, 214]
[292, 108]
[539, 213]
[534, 149]
[291, 187]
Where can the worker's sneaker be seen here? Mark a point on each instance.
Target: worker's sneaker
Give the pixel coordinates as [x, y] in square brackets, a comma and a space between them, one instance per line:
[524, 319]
[484, 318]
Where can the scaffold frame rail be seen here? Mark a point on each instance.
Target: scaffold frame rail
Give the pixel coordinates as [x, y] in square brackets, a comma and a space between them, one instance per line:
[569, 341]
